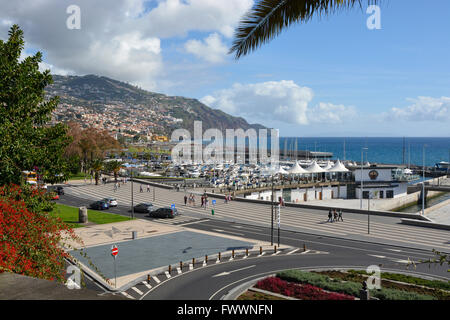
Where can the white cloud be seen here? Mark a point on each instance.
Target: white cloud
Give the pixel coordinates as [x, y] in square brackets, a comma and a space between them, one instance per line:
[283, 101]
[211, 49]
[121, 39]
[422, 109]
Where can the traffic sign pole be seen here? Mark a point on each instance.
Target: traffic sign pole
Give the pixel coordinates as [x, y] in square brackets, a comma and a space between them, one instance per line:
[114, 253]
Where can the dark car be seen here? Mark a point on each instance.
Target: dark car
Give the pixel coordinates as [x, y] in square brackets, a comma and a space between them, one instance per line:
[164, 213]
[99, 205]
[144, 208]
[57, 189]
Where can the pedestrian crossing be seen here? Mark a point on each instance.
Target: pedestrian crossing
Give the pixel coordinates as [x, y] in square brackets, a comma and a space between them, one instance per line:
[260, 214]
[139, 290]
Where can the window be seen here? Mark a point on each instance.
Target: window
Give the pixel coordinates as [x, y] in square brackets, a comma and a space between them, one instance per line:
[365, 194]
[389, 194]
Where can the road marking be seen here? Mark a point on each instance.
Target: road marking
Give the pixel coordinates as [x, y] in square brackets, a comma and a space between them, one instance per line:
[275, 253]
[376, 256]
[179, 270]
[146, 284]
[191, 266]
[167, 274]
[230, 272]
[137, 290]
[156, 279]
[395, 250]
[293, 251]
[218, 260]
[401, 261]
[204, 263]
[127, 295]
[245, 257]
[305, 252]
[222, 231]
[259, 255]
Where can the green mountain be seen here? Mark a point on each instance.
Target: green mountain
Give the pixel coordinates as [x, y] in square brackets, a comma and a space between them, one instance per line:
[96, 94]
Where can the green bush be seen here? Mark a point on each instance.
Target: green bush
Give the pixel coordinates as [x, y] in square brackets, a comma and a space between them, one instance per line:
[349, 287]
[410, 279]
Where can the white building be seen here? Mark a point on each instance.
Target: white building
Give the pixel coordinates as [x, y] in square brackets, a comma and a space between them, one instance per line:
[379, 183]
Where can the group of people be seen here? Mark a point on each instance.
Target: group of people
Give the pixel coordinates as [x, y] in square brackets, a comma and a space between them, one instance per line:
[205, 201]
[334, 215]
[190, 200]
[141, 190]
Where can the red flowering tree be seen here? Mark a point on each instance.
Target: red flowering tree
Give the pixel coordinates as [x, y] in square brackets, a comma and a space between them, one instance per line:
[31, 237]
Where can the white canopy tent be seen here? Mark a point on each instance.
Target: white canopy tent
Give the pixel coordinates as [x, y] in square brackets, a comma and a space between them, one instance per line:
[315, 168]
[338, 167]
[328, 166]
[297, 169]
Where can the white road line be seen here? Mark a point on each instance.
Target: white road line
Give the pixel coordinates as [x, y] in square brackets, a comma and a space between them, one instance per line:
[179, 270]
[376, 256]
[275, 253]
[395, 250]
[167, 274]
[146, 284]
[293, 251]
[218, 260]
[156, 279]
[305, 252]
[204, 263]
[259, 255]
[191, 266]
[137, 290]
[127, 295]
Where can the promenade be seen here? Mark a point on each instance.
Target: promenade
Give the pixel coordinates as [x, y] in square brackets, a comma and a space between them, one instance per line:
[355, 226]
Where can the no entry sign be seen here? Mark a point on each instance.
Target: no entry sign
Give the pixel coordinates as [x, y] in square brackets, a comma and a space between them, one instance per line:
[114, 251]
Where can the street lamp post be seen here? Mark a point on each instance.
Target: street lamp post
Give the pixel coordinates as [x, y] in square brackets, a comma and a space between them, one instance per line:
[362, 180]
[423, 181]
[132, 195]
[271, 229]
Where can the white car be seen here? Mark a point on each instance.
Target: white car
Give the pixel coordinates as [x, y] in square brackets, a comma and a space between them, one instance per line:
[111, 201]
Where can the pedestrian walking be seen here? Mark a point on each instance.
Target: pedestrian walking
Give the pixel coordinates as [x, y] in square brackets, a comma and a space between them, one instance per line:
[335, 215]
[115, 187]
[185, 199]
[202, 199]
[340, 215]
[148, 188]
[330, 216]
[140, 189]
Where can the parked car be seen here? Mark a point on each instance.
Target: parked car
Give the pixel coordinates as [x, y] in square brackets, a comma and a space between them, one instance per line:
[144, 208]
[99, 205]
[164, 213]
[112, 202]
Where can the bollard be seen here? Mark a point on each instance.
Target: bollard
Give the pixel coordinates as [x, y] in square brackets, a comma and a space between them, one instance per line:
[275, 249]
[82, 215]
[232, 254]
[219, 256]
[193, 262]
[304, 247]
[206, 258]
[260, 250]
[148, 279]
[246, 252]
[170, 269]
[181, 265]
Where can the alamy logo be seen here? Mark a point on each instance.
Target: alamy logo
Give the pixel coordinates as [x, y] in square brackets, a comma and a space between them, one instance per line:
[374, 281]
[240, 146]
[74, 20]
[374, 21]
[74, 281]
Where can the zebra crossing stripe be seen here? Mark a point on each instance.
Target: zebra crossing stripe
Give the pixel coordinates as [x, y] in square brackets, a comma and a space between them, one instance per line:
[156, 279]
[127, 295]
[293, 251]
[137, 290]
[167, 274]
[146, 284]
[179, 270]
[191, 266]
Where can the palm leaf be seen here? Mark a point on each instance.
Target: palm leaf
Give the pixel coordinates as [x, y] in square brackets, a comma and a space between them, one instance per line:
[268, 18]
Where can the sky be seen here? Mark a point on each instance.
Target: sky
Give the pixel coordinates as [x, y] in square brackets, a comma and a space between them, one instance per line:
[331, 77]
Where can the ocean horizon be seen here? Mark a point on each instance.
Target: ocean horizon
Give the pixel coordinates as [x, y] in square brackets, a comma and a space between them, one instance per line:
[390, 150]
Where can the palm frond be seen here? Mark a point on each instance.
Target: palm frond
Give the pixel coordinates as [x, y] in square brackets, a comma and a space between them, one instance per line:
[268, 18]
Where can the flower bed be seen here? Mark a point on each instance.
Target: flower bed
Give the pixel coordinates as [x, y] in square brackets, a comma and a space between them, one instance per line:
[303, 292]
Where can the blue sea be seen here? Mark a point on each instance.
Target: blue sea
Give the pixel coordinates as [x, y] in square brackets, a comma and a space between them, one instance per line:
[380, 150]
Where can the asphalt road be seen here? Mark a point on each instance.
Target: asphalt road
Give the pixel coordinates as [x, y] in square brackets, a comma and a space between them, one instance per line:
[208, 283]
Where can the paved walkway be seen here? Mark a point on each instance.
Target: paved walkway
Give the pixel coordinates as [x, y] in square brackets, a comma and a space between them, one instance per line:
[158, 245]
[303, 220]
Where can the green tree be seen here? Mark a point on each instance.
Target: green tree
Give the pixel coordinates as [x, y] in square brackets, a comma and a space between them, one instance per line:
[268, 18]
[97, 166]
[114, 167]
[27, 140]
